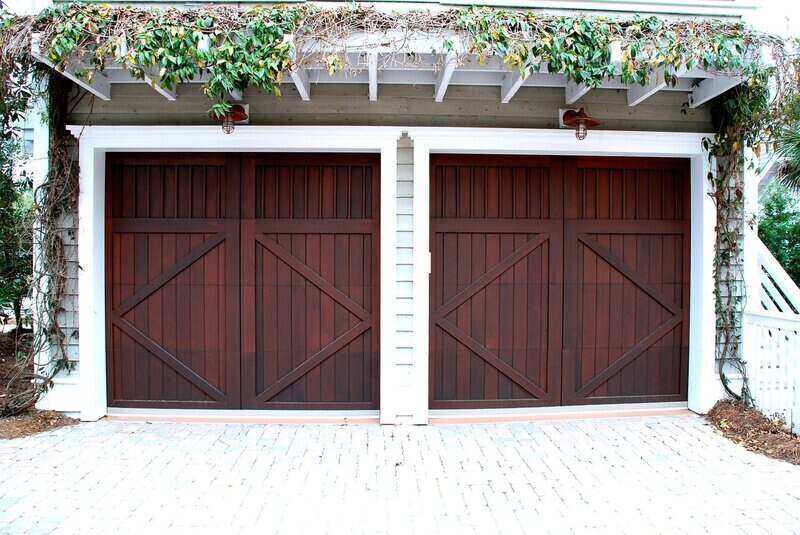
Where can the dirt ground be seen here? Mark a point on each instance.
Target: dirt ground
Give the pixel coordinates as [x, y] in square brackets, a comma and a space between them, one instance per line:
[755, 431]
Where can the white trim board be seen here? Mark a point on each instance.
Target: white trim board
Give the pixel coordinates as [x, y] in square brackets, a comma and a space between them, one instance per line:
[96, 141]
[569, 412]
[245, 416]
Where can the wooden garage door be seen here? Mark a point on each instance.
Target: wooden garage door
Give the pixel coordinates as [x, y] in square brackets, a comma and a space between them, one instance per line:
[243, 281]
[173, 280]
[558, 281]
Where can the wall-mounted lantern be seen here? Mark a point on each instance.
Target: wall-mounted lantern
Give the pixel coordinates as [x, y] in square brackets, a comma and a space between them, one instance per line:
[236, 115]
[579, 121]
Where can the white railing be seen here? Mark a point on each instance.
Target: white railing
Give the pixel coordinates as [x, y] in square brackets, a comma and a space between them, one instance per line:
[771, 339]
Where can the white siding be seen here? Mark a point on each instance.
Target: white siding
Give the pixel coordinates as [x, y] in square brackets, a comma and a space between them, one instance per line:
[68, 316]
[404, 306]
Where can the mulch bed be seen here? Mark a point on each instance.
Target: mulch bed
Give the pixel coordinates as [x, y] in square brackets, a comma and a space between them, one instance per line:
[754, 431]
[32, 421]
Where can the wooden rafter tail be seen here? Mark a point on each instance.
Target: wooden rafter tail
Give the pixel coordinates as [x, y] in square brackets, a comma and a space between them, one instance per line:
[573, 91]
[299, 75]
[155, 83]
[511, 84]
[713, 87]
[658, 80]
[443, 80]
[99, 86]
[372, 65]
[717, 84]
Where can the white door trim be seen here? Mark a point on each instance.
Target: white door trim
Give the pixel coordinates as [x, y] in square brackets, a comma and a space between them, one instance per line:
[96, 141]
[704, 388]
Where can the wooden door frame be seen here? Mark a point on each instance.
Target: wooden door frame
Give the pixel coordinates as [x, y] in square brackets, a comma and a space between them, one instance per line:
[96, 141]
[704, 388]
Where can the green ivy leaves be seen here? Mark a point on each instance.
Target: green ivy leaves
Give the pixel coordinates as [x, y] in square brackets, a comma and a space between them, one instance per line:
[232, 50]
[174, 47]
[578, 47]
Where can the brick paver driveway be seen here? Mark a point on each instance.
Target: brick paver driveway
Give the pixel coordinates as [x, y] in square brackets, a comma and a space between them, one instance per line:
[664, 474]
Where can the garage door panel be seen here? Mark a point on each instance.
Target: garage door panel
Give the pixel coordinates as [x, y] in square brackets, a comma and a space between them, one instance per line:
[172, 279]
[310, 295]
[171, 315]
[496, 259]
[626, 189]
[298, 320]
[626, 326]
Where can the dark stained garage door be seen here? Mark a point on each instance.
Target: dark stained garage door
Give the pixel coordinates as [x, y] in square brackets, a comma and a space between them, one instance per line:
[558, 280]
[242, 281]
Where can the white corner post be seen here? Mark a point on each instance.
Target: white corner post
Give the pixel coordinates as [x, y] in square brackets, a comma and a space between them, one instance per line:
[91, 282]
[705, 388]
[390, 401]
[421, 276]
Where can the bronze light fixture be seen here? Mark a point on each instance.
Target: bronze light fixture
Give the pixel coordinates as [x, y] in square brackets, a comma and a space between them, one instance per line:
[235, 115]
[580, 121]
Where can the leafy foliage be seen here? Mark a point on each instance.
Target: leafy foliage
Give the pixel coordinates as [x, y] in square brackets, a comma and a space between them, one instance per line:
[779, 227]
[15, 232]
[236, 49]
[579, 46]
[787, 149]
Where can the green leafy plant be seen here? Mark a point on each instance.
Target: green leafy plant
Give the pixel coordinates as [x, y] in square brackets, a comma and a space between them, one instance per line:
[779, 226]
[16, 262]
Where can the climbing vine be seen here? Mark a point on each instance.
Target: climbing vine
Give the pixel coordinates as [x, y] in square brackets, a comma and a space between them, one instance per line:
[40, 355]
[231, 49]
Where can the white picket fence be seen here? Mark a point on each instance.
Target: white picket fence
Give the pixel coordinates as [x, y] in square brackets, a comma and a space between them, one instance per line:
[771, 339]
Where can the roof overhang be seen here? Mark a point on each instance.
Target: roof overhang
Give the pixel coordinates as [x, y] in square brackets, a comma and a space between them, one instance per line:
[425, 62]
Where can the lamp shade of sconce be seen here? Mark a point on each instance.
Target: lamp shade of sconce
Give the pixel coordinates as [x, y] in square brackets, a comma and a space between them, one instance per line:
[580, 121]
